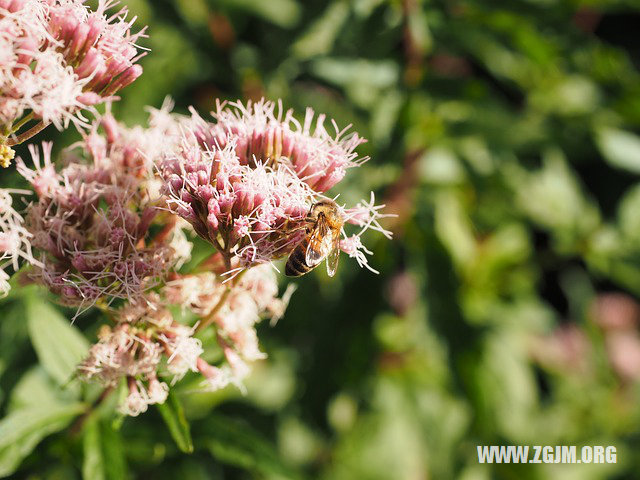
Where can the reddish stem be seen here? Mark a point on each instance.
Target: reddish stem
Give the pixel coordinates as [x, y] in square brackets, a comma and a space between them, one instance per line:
[37, 128]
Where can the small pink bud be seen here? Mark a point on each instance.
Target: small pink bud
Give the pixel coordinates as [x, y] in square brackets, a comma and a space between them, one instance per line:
[226, 203]
[80, 263]
[16, 5]
[63, 26]
[110, 127]
[205, 192]
[328, 181]
[96, 25]
[89, 98]
[126, 78]
[205, 369]
[28, 47]
[91, 63]
[212, 224]
[117, 236]
[69, 292]
[78, 41]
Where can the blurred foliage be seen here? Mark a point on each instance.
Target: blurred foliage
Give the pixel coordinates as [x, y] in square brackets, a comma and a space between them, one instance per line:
[504, 134]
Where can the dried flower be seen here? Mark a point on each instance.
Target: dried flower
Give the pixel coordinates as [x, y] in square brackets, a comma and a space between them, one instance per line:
[233, 309]
[58, 58]
[6, 155]
[144, 333]
[147, 343]
[141, 396]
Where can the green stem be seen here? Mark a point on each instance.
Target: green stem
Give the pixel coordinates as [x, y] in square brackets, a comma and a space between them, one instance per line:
[208, 320]
[18, 126]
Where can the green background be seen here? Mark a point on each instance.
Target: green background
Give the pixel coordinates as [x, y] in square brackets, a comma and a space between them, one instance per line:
[504, 135]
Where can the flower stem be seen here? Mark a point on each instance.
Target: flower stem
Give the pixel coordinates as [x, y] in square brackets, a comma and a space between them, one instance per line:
[208, 320]
[21, 122]
[82, 419]
[37, 128]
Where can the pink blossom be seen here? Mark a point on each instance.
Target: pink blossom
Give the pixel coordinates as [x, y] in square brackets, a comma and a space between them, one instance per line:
[247, 181]
[91, 222]
[121, 352]
[263, 132]
[14, 238]
[141, 396]
[616, 311]
[59, 57]
[147, 343]
[233, 309]
[623, 350]
[566, 349]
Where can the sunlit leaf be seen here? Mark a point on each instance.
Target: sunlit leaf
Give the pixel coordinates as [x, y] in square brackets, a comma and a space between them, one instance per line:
[59, 345]
[620, 148]
[103, 454]
[320, 37]
[23, 429]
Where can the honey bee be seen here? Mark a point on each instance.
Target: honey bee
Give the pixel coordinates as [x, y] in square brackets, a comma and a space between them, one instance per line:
[322, 241]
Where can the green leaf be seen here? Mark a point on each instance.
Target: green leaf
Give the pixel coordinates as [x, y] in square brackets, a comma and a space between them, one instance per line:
[628, 217]
[173, 415]
[13, 334]
[364, 81]
[22, 430]
[116, 463]
[238, 444]
[621, 149]
[320, 37]
[93, 464]
[58, 344]
[33, 389]
[103, 453]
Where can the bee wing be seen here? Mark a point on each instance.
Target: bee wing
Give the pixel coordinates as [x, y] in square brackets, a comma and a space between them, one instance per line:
[317, 248]
[334, 256]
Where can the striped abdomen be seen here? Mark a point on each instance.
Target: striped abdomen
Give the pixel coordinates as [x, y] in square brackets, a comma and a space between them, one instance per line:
[296, 263]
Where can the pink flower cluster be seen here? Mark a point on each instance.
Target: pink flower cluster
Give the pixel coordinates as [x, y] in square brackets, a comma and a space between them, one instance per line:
[247, 180]
[108, 227]
[91, 221]
[147, 344]
[58, 57]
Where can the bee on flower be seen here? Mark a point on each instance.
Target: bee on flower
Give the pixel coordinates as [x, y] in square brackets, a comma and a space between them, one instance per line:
[251, 182]
[113, 228]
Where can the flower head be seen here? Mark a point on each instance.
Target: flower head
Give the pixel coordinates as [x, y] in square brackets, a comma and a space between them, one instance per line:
[247, 181]
[91, 221]
[59, 57]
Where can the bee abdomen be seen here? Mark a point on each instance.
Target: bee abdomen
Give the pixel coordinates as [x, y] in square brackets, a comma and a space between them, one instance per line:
[296, 264]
